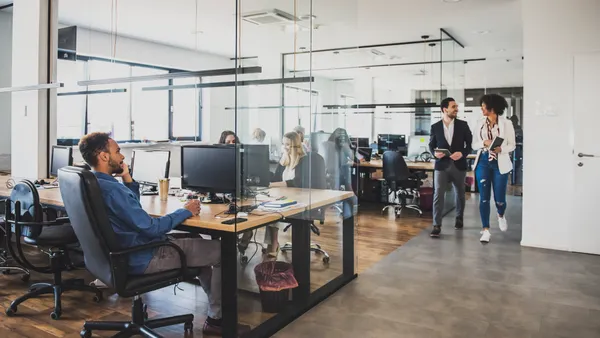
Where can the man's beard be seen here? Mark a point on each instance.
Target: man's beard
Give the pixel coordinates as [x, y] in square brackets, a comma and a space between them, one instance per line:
[115, 167]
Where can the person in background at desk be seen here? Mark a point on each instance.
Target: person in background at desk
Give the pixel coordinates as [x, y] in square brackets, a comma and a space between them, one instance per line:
[492, 166]
[287, 174]
[258, 136]
[133, 226]
[228, 137]
[301, 132]
[455, 136]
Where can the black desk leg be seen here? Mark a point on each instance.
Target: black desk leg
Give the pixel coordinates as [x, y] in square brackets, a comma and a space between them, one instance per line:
[229, 290]
[301, 259]
[348, 243]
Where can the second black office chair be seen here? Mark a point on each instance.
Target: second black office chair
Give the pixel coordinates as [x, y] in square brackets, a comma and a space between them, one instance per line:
[401, 182]
[25, 217]
[108, 262]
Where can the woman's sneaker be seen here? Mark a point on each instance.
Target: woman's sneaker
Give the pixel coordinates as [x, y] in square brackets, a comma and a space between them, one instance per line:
[485, 236]
[502, 223]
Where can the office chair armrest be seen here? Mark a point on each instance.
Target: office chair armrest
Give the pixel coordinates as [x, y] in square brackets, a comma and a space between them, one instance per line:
[128, 251]
[61, 221]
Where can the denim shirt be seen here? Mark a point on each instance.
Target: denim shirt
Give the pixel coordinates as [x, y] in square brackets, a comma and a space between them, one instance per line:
[132, 225]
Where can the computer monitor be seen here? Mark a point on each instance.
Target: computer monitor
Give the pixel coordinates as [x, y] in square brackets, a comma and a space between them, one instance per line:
[209, 168]
[360, 142]
[317, 139]
[392, 142]
[255, 165]
[417, 145]
[148, 166]
[61, 157]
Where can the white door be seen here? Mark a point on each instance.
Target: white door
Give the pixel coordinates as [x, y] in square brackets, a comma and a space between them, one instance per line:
[585, 236]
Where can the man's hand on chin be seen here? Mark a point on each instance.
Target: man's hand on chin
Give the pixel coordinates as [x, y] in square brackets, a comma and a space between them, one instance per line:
[125, 175]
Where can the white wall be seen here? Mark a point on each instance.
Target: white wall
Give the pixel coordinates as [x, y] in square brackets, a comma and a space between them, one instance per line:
[553, 32]
[5, 81]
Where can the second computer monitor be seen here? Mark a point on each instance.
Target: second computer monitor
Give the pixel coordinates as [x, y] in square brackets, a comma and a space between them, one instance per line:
[255, 165]
[209, 168]
[360, 142]
[391, 142]
[61, 157]
[148, 166]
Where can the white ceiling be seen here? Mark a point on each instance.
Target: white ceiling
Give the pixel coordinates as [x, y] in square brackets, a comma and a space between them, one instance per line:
[341, 23]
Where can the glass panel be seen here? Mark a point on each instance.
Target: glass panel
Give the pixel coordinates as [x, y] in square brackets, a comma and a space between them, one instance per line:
[5, 81]
[70, 110]
[186, 109]
[149, 109]
[109, 112]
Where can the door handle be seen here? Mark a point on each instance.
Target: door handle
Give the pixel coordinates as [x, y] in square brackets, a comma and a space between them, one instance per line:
[585, 155]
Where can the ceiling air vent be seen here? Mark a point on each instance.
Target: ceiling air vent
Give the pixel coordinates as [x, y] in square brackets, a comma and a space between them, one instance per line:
[269, 17]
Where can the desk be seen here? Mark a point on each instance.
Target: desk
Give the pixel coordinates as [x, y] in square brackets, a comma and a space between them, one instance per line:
[302, 297]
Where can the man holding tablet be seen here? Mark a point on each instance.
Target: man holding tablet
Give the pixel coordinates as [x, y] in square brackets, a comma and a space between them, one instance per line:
[450, 143]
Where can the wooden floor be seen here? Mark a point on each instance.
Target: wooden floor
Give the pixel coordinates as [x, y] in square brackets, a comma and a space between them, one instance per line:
[376, 236]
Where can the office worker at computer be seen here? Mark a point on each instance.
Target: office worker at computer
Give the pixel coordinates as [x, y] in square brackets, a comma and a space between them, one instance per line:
[492, 166]
[258, 136]
[455, 136]
[228, 137]
[134, 226]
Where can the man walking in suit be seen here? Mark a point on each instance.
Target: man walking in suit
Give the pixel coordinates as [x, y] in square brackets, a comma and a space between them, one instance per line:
[455, 136]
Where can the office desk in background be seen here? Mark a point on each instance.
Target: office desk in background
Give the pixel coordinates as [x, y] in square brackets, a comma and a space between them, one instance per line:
[206, 223]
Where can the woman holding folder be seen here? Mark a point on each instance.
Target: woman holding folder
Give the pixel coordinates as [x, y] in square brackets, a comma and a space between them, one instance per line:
[494, 138]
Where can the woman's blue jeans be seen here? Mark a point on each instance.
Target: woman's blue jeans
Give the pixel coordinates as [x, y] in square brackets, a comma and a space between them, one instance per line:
[488, 176]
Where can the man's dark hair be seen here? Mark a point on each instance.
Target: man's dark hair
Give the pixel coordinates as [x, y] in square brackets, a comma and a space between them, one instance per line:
[227, 133]
[495, 103]
[91, 145]
[446, 103]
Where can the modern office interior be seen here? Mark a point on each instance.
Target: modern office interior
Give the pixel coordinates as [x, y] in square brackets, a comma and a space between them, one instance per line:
[220, 102]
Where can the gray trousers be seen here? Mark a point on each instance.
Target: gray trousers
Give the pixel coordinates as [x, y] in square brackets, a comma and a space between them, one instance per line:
[199, 253]
[442, 178]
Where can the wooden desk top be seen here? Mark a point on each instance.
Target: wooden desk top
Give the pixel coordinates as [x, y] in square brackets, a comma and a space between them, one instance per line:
[378, 164]
[308, 199]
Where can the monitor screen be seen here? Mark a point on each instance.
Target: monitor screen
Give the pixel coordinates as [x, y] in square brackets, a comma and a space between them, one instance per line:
[391, 142]
[61, 157]
[255, 164]
[209, 168]
[360, 142]
[149, 166]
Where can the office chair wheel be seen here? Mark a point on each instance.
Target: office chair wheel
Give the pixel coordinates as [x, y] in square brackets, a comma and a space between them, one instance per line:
[6, 272]
[98, 298]
[86, 333]
[25, 278]
[11, 312]
[188, 326]
[326, 260]
[56, 314]
[244, 260]
[264, 251]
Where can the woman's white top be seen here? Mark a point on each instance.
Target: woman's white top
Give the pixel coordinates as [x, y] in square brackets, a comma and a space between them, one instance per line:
[506, 131]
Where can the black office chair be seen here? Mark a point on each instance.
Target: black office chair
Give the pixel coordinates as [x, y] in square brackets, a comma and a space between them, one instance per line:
[108, 262]
[402, 182]
[313, 177]
[5, 260]
[25, 216]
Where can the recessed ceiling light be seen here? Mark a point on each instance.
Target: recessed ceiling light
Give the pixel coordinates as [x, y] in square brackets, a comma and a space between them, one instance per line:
[501, 50]
[483, 32]
[302, 48]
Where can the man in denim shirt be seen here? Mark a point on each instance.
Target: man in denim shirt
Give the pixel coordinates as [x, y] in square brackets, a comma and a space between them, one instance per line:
[134, 226]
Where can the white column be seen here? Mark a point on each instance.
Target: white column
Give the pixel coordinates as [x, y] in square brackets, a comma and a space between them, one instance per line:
[553, 32]
[30, 64]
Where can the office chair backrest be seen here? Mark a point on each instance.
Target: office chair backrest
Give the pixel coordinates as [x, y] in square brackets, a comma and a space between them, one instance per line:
[313, 172]
[30, 209]
[82, 198]
[394, 167]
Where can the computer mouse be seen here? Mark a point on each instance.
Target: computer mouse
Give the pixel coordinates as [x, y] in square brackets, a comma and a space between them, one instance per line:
[242, 214]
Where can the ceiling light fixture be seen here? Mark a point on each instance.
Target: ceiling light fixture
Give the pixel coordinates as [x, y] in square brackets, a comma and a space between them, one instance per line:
[308, 17]
[452, 1]
[501, 50]
[483, 32]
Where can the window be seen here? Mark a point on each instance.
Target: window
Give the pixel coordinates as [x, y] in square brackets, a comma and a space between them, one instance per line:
[149, 109]
[357, 123]
[70, 110]
[127, 115]
[109, 112]
[301, 109]
[186, 109]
